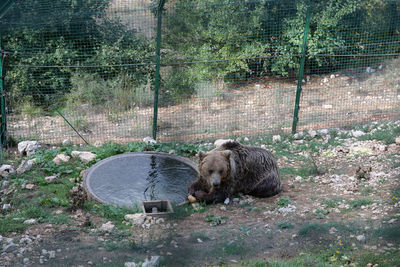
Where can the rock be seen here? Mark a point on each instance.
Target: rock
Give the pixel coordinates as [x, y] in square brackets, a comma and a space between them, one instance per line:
[298, 136]
[226, 202]
[397, 140]
[50, 179]
[10, 248]
[5, 184]
[52, 254]
[325, 80]
[25, 166]
[30, 221]
[220, 142]
[149, 140]
[25, 260]
[6, 170]
[392, 221]
[6, 206]
[327, 106]
[66, 142]
[108, 226]
[332, 76]
[29, 186]
[312, 133]
[60, 158]
[84, 155]
[130, 264]
[135, 219]
[28, 147]
[223, 208]
[153, 261]
[298, 178]
[361, 238]
[276, 138]
[357, 133]
[236, 200]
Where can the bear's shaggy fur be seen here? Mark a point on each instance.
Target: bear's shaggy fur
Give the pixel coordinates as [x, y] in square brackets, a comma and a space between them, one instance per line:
[233, 168]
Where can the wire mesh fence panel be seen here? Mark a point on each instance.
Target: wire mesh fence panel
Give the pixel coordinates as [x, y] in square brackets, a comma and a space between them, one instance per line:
[87, 69]
[352, 64]
[220, 69]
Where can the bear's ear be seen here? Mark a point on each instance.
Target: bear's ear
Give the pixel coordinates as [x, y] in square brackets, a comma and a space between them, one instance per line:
[226, 153]
[202, 155]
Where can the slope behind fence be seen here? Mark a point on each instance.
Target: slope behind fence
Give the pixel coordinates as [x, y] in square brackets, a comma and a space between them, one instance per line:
[226, 67]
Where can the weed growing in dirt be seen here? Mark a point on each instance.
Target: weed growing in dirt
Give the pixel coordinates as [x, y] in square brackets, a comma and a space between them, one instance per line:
[283, 202]
[214, 221]
[195, 236]
[332, 203]
[182, 211]
[360, 202]
[386, 134]
[285, 225]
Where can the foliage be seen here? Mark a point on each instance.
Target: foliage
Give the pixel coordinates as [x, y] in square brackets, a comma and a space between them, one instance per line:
[85, 36]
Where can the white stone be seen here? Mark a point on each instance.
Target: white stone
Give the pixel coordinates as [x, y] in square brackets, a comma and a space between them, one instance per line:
[333, 76]
[6, 206]
[151, 262]
[135, 219]
[130, 264]
[50, 179]
[52, 254]
[66, 142]
[27, 147]
[149, 140]
[226, 202]
[61, 158]
[397, 140]
[220, 142]
[276, 138]
[246, 139]
[325, 80]
[108, 226]
[25, 166]
[327, 106]
[312, 133]
[357, 133]
[360, 238]
[84, 155]
[298, 178]
[30, 221]
[6, 170]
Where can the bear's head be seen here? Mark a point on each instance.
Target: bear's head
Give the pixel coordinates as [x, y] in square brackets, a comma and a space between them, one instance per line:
[215, 167]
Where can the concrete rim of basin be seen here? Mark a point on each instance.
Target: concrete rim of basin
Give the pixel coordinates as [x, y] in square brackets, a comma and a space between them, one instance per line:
[92, 195]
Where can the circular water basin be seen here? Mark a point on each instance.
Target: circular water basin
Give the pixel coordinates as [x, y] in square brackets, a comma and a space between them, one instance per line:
[127, 179]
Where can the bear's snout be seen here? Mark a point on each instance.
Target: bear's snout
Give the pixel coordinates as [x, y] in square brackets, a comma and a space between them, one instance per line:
[216, 181]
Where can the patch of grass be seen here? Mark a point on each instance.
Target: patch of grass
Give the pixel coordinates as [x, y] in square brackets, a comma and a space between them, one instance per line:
[198, 235]
[333, 202]
[387, 259]
[183, 211]
[285, 225]
[389, 232]
[396, 194]
[283, 202]
[214, 221]
[115, 214]
[385, 135]
[8, 224]
[359, 202]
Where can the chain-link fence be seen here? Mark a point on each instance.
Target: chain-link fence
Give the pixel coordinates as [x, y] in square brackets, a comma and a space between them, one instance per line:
[121, 70]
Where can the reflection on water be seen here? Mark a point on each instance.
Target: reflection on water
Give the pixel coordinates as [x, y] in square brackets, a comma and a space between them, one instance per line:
[132, 178]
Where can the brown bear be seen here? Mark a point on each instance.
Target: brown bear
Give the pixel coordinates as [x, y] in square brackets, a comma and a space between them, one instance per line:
[233, 168]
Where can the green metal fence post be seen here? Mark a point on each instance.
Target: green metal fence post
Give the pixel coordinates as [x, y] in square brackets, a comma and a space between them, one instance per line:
[158, 62]
[301, 70]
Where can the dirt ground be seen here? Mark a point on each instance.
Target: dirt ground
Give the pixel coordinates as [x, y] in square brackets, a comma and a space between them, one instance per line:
[218, 109]
[340, 202]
